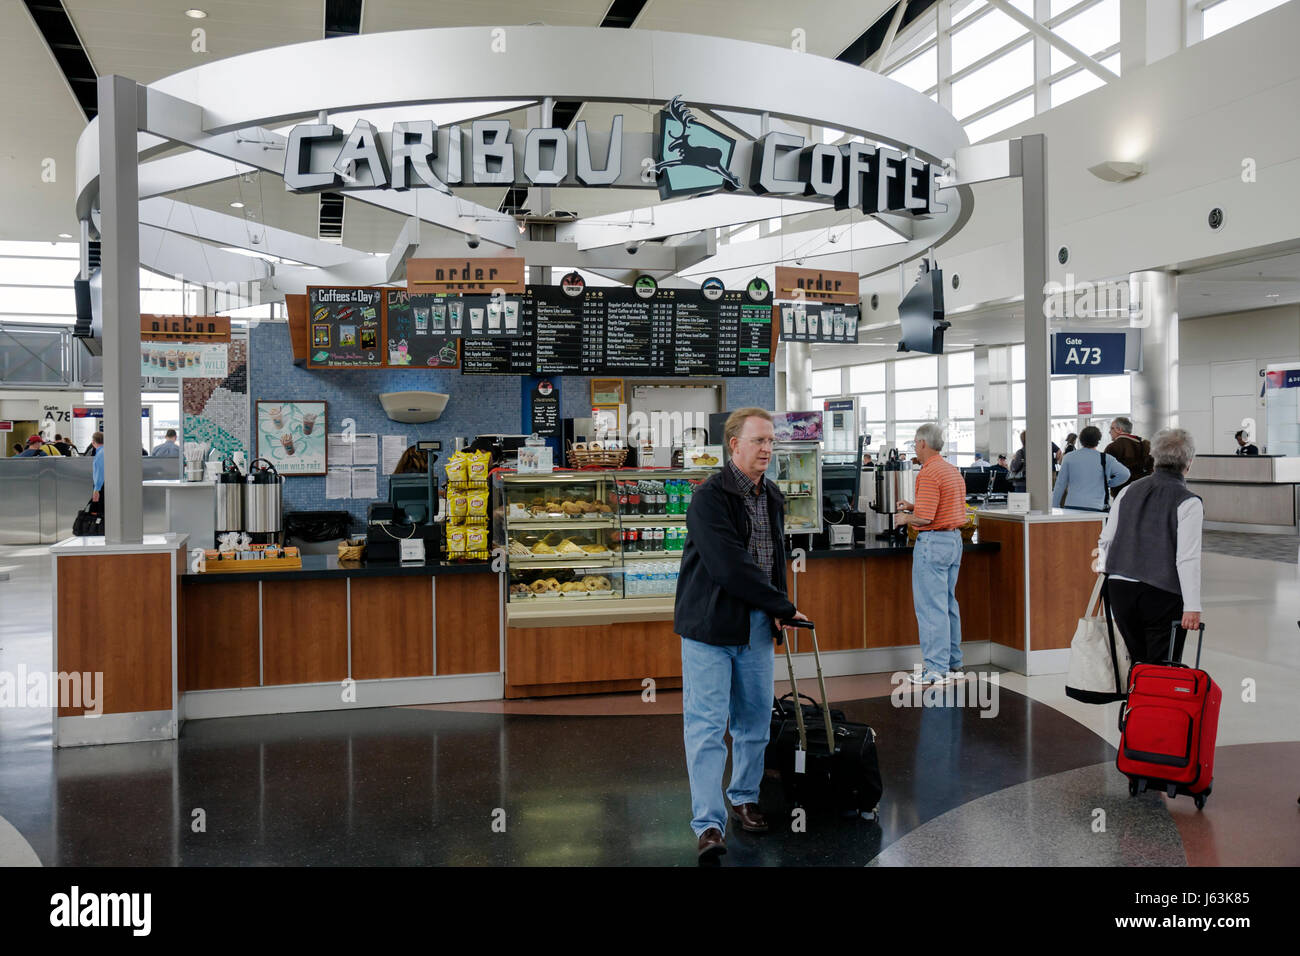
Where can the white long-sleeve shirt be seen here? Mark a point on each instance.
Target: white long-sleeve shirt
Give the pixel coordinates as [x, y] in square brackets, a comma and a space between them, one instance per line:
[1191, 514]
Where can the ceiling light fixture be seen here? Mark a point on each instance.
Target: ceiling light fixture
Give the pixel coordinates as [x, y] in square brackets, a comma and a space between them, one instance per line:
[196, 14]
[64, 235]
[236, 205]
[1116, 172]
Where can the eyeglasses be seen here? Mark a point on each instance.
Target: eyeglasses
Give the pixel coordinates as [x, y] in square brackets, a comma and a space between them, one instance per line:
[762, 442]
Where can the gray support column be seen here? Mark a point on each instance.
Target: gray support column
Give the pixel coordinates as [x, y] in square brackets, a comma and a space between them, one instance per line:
[798, 376]
[121, 112]
[1038, 417]
[1153, 307]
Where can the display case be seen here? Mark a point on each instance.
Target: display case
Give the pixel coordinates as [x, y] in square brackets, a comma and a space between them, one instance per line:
[797, 470]
[592, 535]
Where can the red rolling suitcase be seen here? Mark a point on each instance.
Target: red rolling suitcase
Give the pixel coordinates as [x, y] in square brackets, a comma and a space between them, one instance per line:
[1167, 727]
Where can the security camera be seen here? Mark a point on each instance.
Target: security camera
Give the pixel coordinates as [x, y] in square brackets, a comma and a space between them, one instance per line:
[472, 240]
[631, 246]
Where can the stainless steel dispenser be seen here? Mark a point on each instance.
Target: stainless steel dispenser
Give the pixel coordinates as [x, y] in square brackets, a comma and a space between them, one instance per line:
[230, 499]
[263, 503]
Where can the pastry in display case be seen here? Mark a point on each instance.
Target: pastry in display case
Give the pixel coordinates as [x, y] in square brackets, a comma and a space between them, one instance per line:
[593, 535]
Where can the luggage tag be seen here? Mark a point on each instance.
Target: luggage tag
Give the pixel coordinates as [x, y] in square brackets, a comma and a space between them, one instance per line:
[798, 761]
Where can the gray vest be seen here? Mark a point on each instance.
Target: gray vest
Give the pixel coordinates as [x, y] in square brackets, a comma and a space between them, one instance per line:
[1145, 546]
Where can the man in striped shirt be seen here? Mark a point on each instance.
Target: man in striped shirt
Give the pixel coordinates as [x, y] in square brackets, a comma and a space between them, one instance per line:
[938, 514]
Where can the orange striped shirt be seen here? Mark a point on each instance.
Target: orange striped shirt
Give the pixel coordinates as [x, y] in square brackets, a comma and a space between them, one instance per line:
[940, 496]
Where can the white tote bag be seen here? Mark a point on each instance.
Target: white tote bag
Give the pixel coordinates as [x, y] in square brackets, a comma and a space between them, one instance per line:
[1099, 661]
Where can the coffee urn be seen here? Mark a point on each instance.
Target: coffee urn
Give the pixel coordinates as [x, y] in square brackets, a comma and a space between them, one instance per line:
[895, 482]
[263, 502]
[230, 500]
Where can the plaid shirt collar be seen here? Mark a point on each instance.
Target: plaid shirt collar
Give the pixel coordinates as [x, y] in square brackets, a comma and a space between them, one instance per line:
[747, 485]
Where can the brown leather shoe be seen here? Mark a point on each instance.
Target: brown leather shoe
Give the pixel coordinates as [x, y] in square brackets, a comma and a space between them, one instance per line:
[750, 817]
[711, 844]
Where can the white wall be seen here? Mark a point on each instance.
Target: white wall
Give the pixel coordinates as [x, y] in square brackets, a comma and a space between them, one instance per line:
[1221, 358]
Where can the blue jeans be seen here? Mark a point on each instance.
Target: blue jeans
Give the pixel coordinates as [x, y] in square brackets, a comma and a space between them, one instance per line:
[721, 684]
[935, 564]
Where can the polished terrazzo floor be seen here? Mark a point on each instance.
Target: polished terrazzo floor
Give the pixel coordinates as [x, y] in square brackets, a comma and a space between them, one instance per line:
[581, 781]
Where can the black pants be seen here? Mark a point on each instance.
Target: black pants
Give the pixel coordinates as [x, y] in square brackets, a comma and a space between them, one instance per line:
[1144, 616]
[97, 507]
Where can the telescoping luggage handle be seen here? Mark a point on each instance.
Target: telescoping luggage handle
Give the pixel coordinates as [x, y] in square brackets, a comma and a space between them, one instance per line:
[798, 708]
[1173, 636]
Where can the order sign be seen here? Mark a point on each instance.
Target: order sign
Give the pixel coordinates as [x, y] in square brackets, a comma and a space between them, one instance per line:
[1088, 353]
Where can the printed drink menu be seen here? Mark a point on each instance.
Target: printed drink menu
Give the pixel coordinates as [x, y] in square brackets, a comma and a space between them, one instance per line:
[639, 333]
[417, 331]
[568, 331]
[346, 327]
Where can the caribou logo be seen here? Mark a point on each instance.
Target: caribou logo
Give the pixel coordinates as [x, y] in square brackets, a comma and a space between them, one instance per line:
[692, 158]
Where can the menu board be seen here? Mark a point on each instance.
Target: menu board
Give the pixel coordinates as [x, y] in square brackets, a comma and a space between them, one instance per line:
[496, 333]
[818, 322]
[417, 326]
[568, 331]
[615, 331]
[346, 327]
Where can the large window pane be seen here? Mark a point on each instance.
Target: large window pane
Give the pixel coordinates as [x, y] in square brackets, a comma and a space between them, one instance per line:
[961, 402]
[38, 271]
[1111, 395]
[916, 373]
[38, 301]
[959, 438]
[1226, 15]
[995, 81]
[1060, 6]
[1011, 114]
[867, 378]
[922, 405]
[1062, 427]
[1017, 362]
[1018, 400]
[875, 433]
[1065, 396]
[961, 368]
[826, 382]
[59, 250]
[981, 37]
[1084, 81]
[1092, 31]
[905, 437]
[920, 73]
[872, 407]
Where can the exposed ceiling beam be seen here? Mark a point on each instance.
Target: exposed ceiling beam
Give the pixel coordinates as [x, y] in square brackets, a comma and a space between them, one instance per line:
[1038, 30]
[878, 58]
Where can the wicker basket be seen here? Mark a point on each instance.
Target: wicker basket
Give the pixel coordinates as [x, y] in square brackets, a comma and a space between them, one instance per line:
[601, 458]
[351, 549]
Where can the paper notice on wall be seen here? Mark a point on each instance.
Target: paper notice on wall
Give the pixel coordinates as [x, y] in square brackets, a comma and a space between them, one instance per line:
[338, 449]
[338, 482]
[365, 482]
[365, 450]
[394, 446]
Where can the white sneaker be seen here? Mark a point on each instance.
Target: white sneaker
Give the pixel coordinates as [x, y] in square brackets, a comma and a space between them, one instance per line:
[929, 678]
[957, 675]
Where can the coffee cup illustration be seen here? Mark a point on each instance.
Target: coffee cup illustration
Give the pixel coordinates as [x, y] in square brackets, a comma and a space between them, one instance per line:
[456, 311]
[476, 320]
[512, 316]
[308, 422]
[421, 320]
[828, 322]
[787, 319]
[286, 440]
[439, 318]
[277, 417]
[800, 322]
[494, 316]
[171, 360]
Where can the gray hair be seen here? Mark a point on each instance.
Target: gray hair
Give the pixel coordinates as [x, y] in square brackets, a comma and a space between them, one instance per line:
[1123, 424]
[1173, 448]
[932, 435]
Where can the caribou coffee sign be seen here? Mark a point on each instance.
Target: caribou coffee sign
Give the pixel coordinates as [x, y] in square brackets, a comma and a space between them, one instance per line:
[682, 157]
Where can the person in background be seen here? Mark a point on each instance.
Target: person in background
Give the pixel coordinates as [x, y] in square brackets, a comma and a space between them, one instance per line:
[1133, 453]
[169, 448]
[1244, 447]
[1150, 550]
[1085, 476]
[980, 462]
[1018, 470]
[1070, 439]
[938, 514]
[731, 594]
[97, 473]
[34, 448]
[1001, 464]
[18, 449]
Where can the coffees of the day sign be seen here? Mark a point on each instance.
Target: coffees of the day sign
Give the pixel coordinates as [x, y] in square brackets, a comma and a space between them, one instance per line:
[682, 157]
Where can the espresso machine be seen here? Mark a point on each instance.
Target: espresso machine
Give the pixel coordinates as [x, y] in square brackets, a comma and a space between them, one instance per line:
[894, 482]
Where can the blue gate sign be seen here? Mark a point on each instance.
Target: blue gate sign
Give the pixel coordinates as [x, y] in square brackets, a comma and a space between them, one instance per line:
[1088, 353]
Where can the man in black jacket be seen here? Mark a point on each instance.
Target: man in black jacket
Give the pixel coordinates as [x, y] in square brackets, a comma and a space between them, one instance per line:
[730, 594]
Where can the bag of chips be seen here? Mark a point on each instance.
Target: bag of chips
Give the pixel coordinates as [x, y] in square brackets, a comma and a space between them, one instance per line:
[480, 465]
[458, 504]
[476, 539]
[477, 504]
[456, 539]
[456, 467]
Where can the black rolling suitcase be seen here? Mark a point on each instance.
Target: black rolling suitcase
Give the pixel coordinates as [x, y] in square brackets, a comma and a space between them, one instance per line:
[823, 760]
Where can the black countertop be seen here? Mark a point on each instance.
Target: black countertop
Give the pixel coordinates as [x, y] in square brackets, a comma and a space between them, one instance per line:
[316, 566]
[878, 549]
